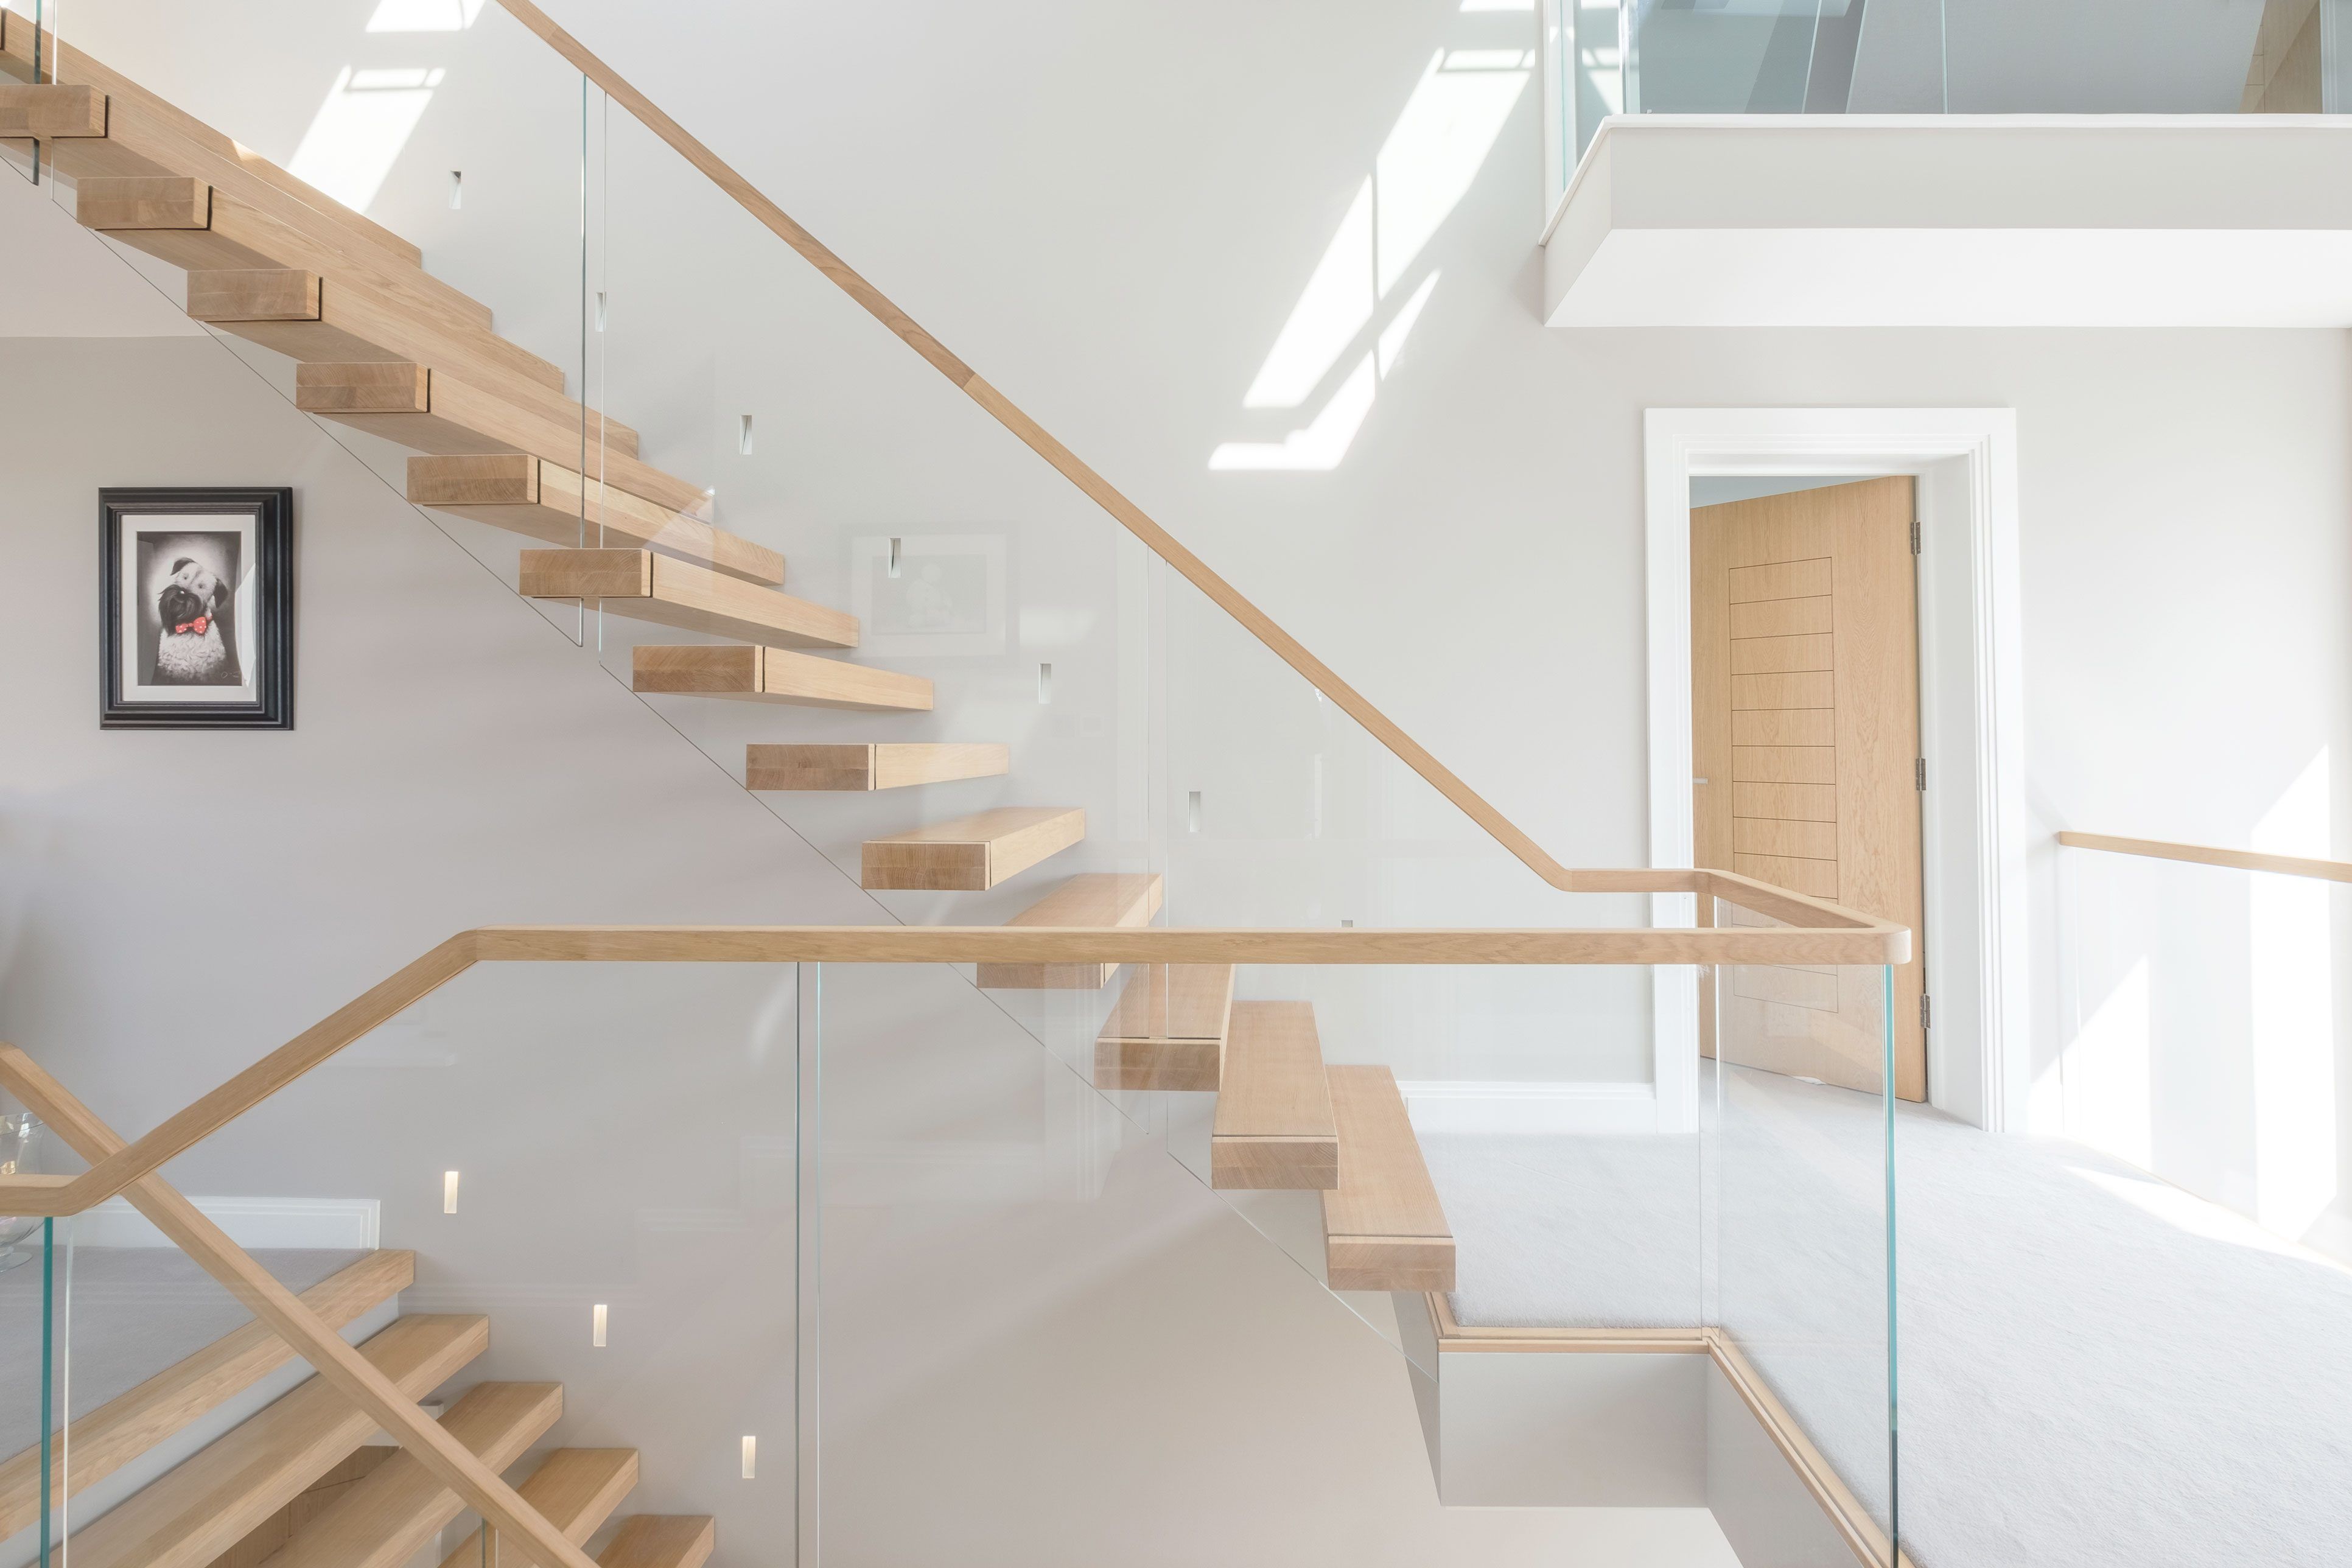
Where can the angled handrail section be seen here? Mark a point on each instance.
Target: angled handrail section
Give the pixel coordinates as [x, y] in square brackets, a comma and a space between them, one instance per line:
[1098, 489]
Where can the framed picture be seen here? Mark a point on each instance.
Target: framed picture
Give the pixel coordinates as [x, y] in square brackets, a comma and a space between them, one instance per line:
[929, 595]
[195, 597]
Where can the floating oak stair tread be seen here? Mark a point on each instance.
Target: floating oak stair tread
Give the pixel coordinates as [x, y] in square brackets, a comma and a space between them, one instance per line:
[661, 1541]
[1384, 1228]
[970, 853]
[149, 136]
[427, 409]
[1169, 1029]
[575, 1490]
[51, 110]
[774, 675]
[1093, 900]
[386, 1518]
[645, 586]
[193, 1513]
[1275, 1126]
[133, 1422]
[881, 765]
[532, 496]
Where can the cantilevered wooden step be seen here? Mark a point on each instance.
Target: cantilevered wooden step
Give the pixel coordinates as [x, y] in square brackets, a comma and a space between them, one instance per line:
[970, 853]
[1275, 1125]
[128, 1424]
[532, 495]
[881, 765]
[51, 110]
[774, 675]
[1382, 1227]
[194, 1513]
[1169, 1029]
[1095, 900]
[429, 409]
[386, 1519]
[645, 586]
[575, 1490]
[661, 1541]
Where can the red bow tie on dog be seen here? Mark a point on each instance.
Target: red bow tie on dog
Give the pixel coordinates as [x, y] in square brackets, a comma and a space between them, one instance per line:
[196, 626]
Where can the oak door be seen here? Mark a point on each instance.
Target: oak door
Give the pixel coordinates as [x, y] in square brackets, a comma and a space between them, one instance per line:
[1805, 747]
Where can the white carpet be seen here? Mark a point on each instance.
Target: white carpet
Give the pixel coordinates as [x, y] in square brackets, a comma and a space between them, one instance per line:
[2097, 1371]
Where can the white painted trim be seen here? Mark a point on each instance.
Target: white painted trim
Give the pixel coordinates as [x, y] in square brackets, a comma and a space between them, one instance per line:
[1970, 683]
[1480, 1106]
[342, 1225]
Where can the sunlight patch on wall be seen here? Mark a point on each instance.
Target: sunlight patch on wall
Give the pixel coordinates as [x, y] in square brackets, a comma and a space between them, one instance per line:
[1441, 140]
[2108, 1074]
[423, 16]
[360, 129]
[2294, 1015]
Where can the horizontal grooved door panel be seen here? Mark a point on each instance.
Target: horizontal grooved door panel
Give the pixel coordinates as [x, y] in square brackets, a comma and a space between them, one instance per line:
[1784, 764]
[1784, 727]
[1782, 618]
[1802, 688]
[1785, 802]
[1773, 835]
[1782, 580]
[1768, 656]
[1818, 878]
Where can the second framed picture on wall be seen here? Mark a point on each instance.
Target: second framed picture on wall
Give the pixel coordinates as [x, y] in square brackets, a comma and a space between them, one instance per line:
[196, 608]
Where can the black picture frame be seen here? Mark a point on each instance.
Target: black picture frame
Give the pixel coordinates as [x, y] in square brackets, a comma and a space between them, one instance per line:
[223, 556]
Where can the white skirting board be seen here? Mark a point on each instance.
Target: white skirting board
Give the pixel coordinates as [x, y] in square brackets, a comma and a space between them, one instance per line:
[342, 1225]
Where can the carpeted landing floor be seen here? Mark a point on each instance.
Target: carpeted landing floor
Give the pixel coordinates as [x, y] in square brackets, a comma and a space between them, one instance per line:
[133, 1311]
[2098, 1370]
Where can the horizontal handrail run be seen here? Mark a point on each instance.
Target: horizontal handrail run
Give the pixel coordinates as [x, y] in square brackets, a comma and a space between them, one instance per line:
[2211, 855]
[1852, 940]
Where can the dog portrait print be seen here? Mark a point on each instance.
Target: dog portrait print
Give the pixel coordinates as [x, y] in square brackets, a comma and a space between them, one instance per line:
[187, 610]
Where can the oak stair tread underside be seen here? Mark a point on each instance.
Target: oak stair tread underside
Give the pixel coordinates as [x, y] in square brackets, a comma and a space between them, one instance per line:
[874, 765]
[1384, 1228]
[1275, 1126]
[394, 1511]
[547, 501]
[136, 1420]
[645, 586]
[774, 675]
[1169, 1029]
[200, 1509]
[1093, 900]
[970, 853]
[575, 1490]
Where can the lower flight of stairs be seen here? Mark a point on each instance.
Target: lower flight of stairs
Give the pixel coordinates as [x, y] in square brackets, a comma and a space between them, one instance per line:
[303, 1482]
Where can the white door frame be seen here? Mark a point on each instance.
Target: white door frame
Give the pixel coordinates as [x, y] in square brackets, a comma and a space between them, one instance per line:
[1970, 715]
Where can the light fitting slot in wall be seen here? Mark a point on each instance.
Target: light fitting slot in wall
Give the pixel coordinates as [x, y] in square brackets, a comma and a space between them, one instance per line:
[456, 189]
[894, 557]
[1044, 684]
[751, 1456]
[600, 310]
[1192, 812]
[596, 1322]
[448, 1192]
[743, 435]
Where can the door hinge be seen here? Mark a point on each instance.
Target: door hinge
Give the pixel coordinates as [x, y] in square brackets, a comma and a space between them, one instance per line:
[1923, 1009]
[1914, 536]
[1919, 773]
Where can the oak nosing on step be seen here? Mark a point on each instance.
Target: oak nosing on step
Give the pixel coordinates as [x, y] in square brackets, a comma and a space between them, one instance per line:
[872, 765]
[575, 1490]
[1275, 1128]
[970, 853]
[641, 585]
[661, 1541]
[547, 501]
[1383, 1226]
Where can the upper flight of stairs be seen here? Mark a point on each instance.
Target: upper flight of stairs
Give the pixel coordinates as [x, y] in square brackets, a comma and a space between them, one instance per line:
[300, 1484]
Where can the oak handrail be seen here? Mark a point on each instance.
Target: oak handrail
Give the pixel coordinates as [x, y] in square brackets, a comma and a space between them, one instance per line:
[1155, 538]
[2211, 855]
[1848, 938]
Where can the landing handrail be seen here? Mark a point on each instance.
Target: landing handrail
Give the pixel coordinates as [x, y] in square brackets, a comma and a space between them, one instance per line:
[2211, 855]
[1844, 937]
[1158, 539]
